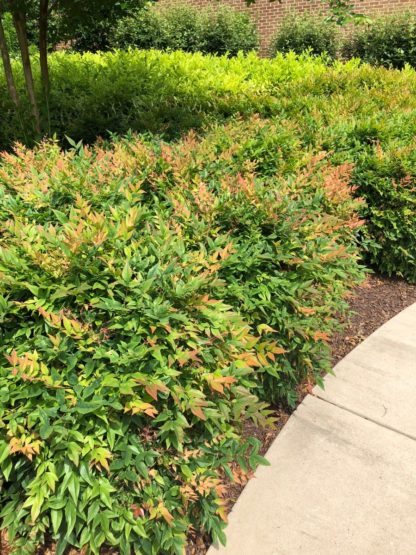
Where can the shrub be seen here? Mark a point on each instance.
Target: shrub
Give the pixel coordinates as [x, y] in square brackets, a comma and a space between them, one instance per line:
[346, 109]
[378, 140]
[306, 32]
[229, 31]
[222, 30]
[386, 177]
[388, 41]
[148, 291]
[86, 29]
[94, 94]
[122, 373]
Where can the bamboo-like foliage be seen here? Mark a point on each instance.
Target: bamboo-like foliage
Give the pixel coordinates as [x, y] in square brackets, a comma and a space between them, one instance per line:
[153, 297]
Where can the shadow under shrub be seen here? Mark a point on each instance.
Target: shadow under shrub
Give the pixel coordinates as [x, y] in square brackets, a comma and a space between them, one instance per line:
[149, 292]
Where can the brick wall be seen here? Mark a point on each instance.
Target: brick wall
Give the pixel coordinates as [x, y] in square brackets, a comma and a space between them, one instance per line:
[267, 14]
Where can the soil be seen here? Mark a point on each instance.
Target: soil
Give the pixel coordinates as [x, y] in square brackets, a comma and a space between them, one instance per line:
[372, 304]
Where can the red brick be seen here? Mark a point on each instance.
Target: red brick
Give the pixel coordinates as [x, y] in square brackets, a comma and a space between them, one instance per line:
[267, 15]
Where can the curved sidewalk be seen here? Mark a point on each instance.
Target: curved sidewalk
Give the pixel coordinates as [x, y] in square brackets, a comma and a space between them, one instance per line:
[342, 479]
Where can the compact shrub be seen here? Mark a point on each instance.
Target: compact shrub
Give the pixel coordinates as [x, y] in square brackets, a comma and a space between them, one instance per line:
[306, 32]
[387, 41]
[379, 141]
[386, 177]
[148, 292]
[219, 30]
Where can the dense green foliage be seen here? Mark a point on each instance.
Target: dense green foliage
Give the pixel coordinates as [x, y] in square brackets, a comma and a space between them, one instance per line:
[93, 94]
[356, 113]
[10, 33]
[219, 30]
[387, 41]
[148, 292]
[306, 32]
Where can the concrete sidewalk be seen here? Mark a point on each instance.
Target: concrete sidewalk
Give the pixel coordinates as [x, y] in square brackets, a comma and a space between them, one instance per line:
[342, 478]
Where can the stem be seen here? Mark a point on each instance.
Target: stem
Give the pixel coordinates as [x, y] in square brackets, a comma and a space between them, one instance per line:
[11, 87]
[43, 46]
[19, 21]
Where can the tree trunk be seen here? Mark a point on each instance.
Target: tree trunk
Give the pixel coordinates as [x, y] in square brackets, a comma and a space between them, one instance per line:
[43, 46]
[19, 21]
[11, 87]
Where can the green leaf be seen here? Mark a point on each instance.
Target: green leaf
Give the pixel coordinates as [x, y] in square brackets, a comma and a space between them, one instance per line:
[74, 487]
[56, 519]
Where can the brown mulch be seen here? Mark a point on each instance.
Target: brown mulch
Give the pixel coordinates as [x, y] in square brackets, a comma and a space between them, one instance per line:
[372, 304]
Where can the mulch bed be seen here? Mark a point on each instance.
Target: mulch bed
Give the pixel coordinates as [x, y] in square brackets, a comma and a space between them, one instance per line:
[372, 304]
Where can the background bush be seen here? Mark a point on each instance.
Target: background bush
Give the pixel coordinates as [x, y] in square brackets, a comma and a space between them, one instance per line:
[218, 30]
[306, 32]
[387, 41]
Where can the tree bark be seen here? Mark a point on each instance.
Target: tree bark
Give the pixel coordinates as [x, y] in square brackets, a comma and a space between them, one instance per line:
[19, 20]
[43, 46]
[11, 87]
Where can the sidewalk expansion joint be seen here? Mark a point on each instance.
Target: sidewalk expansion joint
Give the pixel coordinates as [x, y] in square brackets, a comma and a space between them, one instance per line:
[360, 415]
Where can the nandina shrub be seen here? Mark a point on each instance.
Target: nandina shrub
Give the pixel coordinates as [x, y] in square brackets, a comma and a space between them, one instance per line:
[379, 142]
[95, 94]
[386, 177]
[293, 252]
[122, 378]
[148, 292]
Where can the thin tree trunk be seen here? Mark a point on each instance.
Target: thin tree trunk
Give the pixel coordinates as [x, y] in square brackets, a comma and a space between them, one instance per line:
[43, 46]
[11, 87]
[19, 21]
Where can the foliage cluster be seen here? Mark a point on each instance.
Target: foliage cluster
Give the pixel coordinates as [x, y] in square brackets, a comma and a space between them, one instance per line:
[386, 41]
[150, 294]
[357, 113]
[92, 94]
[211, 30]
[306, 32]
[10, 33]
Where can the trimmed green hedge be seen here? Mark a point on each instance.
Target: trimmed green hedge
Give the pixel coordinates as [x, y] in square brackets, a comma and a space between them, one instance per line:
[306, 32]
[219, 30]
[386, 41]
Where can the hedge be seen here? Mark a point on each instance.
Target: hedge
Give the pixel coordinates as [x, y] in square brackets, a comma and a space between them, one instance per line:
[388, 41]
[153, 297]
[95, 94]
[219, 30]
[306, 32]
